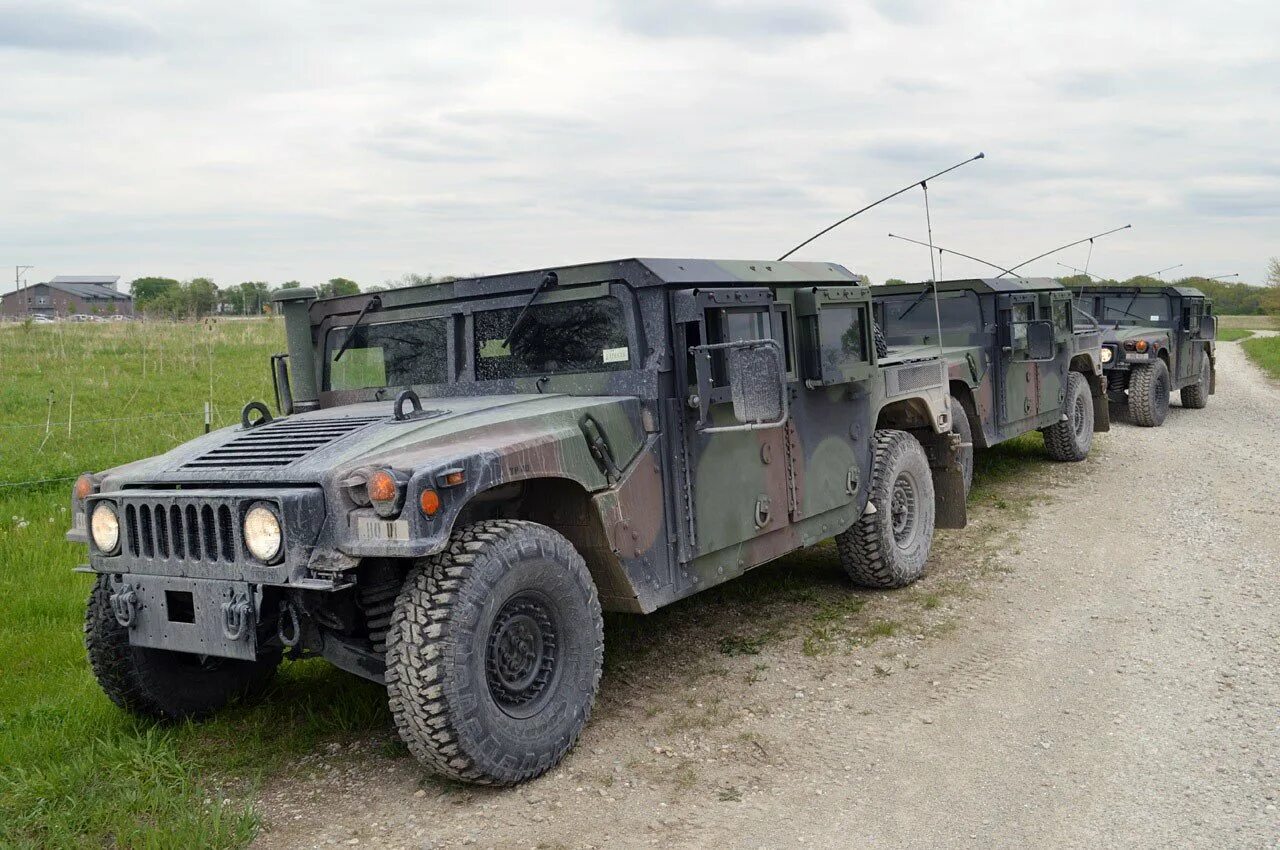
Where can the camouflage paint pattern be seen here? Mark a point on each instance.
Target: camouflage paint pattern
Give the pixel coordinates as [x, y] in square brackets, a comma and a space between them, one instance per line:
[615, 460]
[1167, 335]
[1005, 393]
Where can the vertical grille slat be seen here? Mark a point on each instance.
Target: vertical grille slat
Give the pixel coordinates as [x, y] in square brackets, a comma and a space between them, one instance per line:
[131, 529]
[144, 532]
[161, 524]
[176, 537]
[226, 534]
[282, 442]
[208, 533]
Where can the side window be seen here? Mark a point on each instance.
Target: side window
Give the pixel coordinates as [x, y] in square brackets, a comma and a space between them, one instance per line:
[1021, 315]
[733, 324]
[835, 342]
[1062, 315]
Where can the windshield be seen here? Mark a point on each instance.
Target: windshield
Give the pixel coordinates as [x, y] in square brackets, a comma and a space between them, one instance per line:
[958, 310]
[388, 355]
[1127, 308]
[555, 338]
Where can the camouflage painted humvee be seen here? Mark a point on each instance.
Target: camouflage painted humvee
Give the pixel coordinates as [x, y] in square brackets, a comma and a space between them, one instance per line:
[1156, 340]
[465, 474]
[1017, 361]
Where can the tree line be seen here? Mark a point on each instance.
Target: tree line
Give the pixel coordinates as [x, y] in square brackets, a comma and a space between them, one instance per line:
[200, 296]
[1229, 299]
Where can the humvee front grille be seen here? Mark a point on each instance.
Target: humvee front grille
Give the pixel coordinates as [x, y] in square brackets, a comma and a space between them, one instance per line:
[177, 532]
[279, 443]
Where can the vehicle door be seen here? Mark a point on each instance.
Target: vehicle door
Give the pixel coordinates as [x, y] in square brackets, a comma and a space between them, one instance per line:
[1055, 305]
[735, 479]
[1189, 345]
[1022, 354]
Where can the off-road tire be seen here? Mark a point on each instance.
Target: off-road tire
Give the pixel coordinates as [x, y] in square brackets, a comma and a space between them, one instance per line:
[1149, 394]
[1072, 439]
[1196, 396]
[159, 683]
[877, 551]
[882, 346]
[495, 652]
[960, 425]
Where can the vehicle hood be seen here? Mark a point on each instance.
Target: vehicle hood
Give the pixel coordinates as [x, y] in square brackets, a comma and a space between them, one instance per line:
[321, 446]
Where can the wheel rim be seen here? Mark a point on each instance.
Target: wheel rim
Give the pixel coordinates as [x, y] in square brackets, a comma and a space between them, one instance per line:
[1078, 417]
[520, 661]
[902, 510]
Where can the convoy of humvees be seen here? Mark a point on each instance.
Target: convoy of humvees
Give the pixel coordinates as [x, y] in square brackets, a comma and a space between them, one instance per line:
[1156, 340]
[1017, 359]
[463, 475]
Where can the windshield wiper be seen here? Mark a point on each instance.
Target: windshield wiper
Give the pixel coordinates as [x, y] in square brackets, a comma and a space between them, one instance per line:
[373, 303]
[914, 304]
[1126, 312]
[549, 281]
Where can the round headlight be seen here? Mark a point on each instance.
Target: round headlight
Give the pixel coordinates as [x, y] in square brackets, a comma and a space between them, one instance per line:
[104, 524]
[1107, 354]
[262, 532]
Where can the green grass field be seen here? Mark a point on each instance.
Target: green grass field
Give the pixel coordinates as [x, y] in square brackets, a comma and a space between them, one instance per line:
[1233, 334]
[77, 772]
[1253, 323]
[1265, 351]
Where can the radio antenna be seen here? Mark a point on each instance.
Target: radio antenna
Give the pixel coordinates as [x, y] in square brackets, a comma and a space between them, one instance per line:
[1088, 239]
[1162, 271]
[1082, 271]
[857, 213]
[949, 251]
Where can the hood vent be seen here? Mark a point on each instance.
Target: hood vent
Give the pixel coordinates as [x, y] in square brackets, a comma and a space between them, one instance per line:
[279, 443]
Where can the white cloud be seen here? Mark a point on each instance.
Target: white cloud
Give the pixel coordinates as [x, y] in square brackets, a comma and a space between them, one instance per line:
[302, 140]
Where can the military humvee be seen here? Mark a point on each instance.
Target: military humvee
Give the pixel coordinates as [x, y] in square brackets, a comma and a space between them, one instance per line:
[465, 474]
[1017, 360]
[1156, 340]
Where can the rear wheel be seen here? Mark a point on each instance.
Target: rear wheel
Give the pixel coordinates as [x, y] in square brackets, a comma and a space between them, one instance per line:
[1196, 396]
[495, 652]
[889, 548]
[157, 682]
[1070, 440]
[1149, 393]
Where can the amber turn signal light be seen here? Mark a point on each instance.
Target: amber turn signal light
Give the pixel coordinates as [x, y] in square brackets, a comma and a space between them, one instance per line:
[1141, 345]
[84, 487]
[430, 502]
[453, 479]
[381, 486]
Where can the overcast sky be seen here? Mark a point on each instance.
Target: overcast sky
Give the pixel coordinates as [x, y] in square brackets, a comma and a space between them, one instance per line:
[277, 140]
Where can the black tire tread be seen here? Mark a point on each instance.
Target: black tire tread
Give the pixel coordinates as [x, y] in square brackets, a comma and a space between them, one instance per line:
[961, 425]
[419, 630]
[863, 549]
[1196, 396]
[1144, 407]
[1060, 438]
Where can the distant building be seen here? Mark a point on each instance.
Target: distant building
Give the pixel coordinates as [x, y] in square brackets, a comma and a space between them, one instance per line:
[64, 295]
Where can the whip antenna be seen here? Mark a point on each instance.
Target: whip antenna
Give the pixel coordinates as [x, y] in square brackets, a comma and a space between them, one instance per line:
[949, 251]
[1069, 245]
[1162, 271]
[933, 271]
[857, 213]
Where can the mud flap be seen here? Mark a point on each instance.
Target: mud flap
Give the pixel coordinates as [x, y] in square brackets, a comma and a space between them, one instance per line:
[1101, 409]
[948, 496]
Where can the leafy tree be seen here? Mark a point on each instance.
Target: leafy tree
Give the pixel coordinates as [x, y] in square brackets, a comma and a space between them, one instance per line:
[338, 286]
[202, 296]
[1270, 300]
[146, 290]
[291, 284]
[891, 281]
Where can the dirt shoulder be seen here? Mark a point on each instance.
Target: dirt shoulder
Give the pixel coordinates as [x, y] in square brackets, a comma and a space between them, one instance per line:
[1094, 662]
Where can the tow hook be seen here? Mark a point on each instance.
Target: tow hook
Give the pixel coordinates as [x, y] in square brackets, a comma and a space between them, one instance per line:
[124, 604]
[235, 618]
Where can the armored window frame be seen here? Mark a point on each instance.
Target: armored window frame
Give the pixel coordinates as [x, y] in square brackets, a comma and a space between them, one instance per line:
[825, 361]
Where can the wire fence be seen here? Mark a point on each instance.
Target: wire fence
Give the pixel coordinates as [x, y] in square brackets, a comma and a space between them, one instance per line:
[50, 426]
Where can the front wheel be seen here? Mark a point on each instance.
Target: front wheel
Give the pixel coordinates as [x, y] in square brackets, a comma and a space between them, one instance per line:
[495, 652]
[961, 425]
[889, 548]
[160, 683]
[1071, 439]
[1149, 394]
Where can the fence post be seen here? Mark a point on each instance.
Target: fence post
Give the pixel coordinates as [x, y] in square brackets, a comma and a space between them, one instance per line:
[208, 416]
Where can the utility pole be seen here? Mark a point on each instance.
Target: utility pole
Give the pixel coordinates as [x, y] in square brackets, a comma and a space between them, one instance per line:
[19, 276]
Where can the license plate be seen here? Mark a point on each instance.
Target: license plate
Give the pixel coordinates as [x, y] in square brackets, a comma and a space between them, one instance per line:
[373, 528]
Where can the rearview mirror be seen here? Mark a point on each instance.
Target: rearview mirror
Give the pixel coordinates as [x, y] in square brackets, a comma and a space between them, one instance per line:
[1208, 327]
[1040, 341]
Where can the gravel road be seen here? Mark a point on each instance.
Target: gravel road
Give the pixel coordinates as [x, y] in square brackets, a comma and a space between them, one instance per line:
[1095, 662]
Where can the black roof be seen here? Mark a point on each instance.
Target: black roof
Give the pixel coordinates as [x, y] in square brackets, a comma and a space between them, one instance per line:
[973, 284]
[1130, 289]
